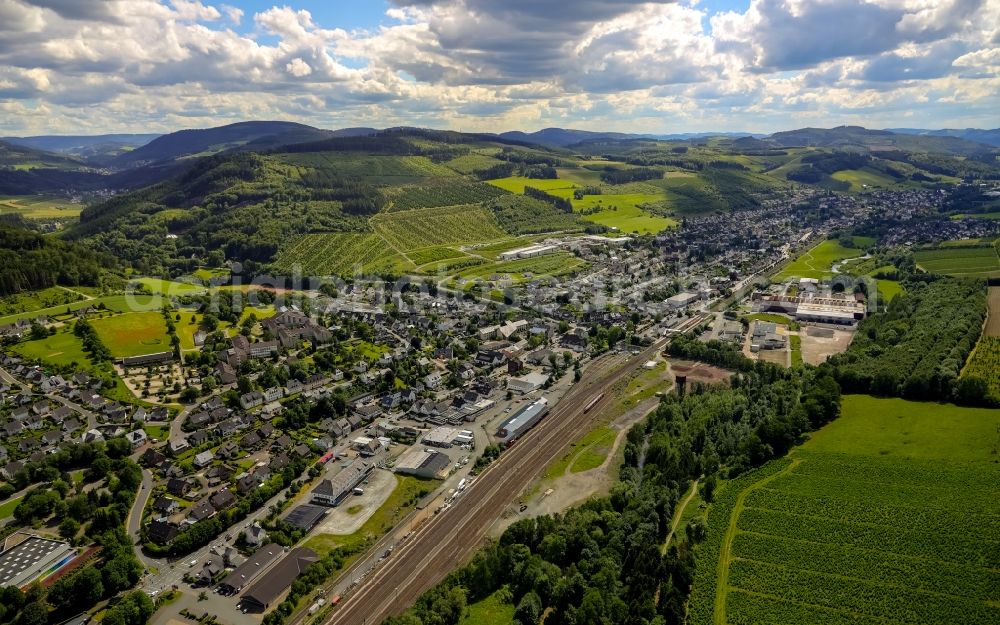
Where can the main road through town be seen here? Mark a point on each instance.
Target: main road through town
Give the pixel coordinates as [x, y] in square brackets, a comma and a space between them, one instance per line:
[448, 539]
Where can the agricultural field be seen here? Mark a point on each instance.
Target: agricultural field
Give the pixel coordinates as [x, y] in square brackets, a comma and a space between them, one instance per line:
[526, 269]
[622, 212]
[985, 365]
[341, 253]
[443, 192]
[516, 184]
[863, 179]
[133, 334]
[428, 255]
[450, 225]
[818, 261]
[963, 262]
[887, 515]
[374, 168]
[40, 207]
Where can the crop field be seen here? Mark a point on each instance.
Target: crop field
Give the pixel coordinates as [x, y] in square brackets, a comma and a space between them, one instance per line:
[447, 192]
[623, 212]
[427, 255]
[387, 169]
[516, 184]
[993, 321]
[468, 163]
[818, 261]
[887, 515]
[40, 207]
[62, 349]
[525, 269]
[985, 364]
[340, 253]
[449, 225]
[963, 262]
[133, 334]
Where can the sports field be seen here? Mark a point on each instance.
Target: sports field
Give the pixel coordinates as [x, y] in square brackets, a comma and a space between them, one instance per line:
[888, 515]
[818, 261]
[133, 334]
[963, 262]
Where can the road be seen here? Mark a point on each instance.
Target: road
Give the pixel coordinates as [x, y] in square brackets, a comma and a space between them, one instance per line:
[451, 537]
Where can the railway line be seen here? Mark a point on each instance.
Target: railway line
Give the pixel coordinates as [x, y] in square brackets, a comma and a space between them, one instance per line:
[448, 539]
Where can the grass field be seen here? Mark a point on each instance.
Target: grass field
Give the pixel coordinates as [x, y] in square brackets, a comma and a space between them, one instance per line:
[887, 515]
[449, 225]
[862, 179]
[489, 611]
[595, 448]
[772, 318]
[525, 269]
[995, 215]
[117, 303]
[133, 334]
[40, 207]
[7, 510]
[818, 261]
[61, 349]
[963, 262]
[516, 184]
[169, 288]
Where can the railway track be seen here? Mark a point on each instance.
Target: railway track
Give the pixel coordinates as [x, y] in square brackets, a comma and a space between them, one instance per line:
[448, 539]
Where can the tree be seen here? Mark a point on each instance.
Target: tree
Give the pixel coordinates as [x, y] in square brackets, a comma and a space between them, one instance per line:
[69, 528]
[35, 613]
[529, 609]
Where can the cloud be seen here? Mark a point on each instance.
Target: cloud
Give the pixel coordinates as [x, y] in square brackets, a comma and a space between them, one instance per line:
[487, 65]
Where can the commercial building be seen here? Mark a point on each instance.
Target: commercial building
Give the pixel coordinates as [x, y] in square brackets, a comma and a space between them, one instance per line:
[422, 463]
[441, 436]
[681, 300]
[27, 557]
[529, 252]
[765, 336]
[244, 574]
[333, 491]
[527, 383]
[146, 360]
[278, 579]
[523, 420]
[305, 517]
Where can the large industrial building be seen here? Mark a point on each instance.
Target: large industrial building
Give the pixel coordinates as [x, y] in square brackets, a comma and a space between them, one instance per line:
[27, 557]
[523, 420]
[245, 573]
[528, 383]
[812, 309]
[278, 579]
[333, 491]
[422, 463]
[529, 252]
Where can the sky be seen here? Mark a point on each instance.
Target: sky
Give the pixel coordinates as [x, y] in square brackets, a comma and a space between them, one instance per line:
[97, 66]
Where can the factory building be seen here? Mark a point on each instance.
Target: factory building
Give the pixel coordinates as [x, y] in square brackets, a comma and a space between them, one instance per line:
[422, 463]
[27, 557]
[333, 491]
[523, 420]
[245, 573]
[265, 592]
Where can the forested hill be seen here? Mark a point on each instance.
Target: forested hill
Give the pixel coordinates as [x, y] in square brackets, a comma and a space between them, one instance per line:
[30, 261]
[248, 135]
[246, 205]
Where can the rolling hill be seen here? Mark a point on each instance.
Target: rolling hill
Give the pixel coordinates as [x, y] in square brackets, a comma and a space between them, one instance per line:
[256, 135]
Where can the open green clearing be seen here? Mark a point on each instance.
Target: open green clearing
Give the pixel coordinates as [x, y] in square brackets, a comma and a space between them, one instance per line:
[489, 611]
[516, 184]
[7, 510]
[596, 446]
[116, 303]
[772, 318]
[374, 168]
[887, 515]
[62, 349]
[995, 215]
[35, 300]
[133, 334]
[170, 288]
[861, 179]
[818, 261]
[40, 207]
[526, 269]
[963, 262]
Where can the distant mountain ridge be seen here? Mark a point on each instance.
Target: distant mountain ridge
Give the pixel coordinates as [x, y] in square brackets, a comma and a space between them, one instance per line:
[980, 135]
[563, 137]
[75, 144]
[252, 135]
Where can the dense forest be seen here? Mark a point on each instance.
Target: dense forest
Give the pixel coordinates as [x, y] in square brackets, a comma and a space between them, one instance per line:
[30, 261]
[917, 347]
[605, 562]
